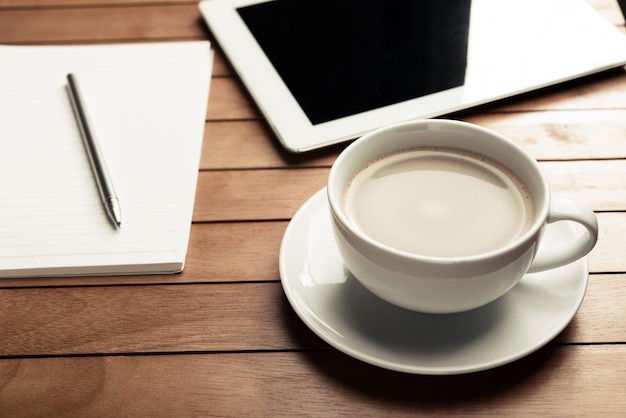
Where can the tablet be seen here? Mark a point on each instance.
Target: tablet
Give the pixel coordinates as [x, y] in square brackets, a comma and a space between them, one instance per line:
[326, 71]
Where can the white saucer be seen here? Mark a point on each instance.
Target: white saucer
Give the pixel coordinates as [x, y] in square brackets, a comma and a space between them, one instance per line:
[342, 312]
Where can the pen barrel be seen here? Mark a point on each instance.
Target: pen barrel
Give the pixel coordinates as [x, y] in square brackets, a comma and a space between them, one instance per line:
[90, 141]
[96, 158]
[100, 171]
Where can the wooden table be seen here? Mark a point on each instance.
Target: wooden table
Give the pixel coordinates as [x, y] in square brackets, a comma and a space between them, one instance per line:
[221, 338]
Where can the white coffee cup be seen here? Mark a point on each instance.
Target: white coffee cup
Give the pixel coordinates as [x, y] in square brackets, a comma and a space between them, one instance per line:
[443, 283]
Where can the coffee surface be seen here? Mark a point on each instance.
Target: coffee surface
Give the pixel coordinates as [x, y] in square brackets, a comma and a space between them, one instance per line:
[438, 202]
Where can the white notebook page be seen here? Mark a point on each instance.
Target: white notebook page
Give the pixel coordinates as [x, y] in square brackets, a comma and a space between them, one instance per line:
[148, 105]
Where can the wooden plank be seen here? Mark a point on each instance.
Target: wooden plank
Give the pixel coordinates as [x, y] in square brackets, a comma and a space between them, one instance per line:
[246, 144]
[255, 194]
[234, 252]
[276, 194]
[153, 319]
[601, 185]
[602, 316]
[562, 134]
[221, 66]
[103, 23]
[248, 251]
[218, 252]
[609, 253]
[239, 252]
[207, 318]
[228, 100]
[550, 135]
[28, 4]
[558, 381]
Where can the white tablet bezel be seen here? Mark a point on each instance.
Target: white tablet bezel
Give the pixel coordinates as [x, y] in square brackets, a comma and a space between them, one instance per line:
[294, 129]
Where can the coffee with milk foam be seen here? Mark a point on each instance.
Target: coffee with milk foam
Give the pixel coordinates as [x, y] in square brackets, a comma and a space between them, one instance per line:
[439, 202]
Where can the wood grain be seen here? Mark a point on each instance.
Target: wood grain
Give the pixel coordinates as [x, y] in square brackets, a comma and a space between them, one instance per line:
[211, 318]
[558, 381]
[563, 134]
[248, 252]
[104, 23]
[246, 144]
[255, 194]
[228, 100]
[547, 135]
[229, 195]
[136, 319]
[29, 4]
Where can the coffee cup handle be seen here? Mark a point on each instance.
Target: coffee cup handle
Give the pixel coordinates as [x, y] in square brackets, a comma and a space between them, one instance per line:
[567, 210]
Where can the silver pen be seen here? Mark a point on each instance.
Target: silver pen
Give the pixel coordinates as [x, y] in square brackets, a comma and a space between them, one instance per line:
[96, 159]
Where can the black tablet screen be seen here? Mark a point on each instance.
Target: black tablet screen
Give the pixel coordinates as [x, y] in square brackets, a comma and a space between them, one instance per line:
[342, 57]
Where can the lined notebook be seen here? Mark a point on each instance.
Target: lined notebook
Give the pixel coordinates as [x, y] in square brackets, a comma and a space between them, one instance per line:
[148, 106]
